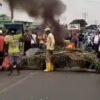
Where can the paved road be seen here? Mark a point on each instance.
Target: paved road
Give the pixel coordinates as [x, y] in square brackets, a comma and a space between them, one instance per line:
[37, 85]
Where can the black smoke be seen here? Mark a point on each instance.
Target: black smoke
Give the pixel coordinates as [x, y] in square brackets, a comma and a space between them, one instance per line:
[46, 9]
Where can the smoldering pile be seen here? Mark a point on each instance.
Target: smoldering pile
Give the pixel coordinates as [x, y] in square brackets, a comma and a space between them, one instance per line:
[46, 9]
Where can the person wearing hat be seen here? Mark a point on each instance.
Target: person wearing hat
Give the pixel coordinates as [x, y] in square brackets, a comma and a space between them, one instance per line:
[50, 46]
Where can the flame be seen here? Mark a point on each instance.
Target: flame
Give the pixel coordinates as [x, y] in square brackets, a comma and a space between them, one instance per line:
[71, 46]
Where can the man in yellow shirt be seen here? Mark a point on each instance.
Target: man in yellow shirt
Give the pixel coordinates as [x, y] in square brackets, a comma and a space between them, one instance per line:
[50, 46]
[14, 50]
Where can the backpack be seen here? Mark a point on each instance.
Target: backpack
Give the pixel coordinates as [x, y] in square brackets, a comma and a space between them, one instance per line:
[6, 63]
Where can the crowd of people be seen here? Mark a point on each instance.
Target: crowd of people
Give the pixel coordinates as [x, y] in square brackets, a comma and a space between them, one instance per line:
[13, 45]
[88, 40]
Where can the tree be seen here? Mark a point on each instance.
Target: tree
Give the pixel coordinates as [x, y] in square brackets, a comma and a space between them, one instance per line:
[82, 22]
[94, 27]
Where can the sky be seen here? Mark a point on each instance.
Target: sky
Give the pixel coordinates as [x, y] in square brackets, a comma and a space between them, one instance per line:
[75, 9]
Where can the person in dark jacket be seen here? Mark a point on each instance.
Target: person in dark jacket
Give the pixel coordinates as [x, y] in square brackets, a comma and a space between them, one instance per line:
[27, 40]
[80, 38]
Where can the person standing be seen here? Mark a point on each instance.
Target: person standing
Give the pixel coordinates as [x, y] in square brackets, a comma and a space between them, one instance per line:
[80, 39]
[13, 42]
[27, 40]
[89, 43]
[34, 40]
[50, 46]
[98, 54]
[74, 38]
[2, 43]
[96, 41]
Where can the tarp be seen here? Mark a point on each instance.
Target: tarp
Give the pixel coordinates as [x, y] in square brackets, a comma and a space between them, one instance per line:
[33, 51]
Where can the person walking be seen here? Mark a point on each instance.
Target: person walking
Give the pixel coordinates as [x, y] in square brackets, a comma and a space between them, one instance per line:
[13, 42]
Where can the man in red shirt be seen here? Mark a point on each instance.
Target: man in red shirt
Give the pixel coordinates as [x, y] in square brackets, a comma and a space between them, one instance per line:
[2, 42]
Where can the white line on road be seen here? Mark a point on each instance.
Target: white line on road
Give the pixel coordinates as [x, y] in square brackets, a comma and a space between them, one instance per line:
[17, 83]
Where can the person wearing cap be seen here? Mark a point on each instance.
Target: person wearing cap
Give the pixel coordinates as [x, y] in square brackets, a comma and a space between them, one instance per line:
[14, 50]
[50, 46]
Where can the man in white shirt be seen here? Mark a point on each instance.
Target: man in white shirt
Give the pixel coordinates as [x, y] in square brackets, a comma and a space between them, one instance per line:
[34, 40]
[50, 46]
[96, 41]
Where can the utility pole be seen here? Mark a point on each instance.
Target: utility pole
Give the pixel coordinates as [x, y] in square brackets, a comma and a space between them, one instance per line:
[12, 15]
[95, 22]
[84, 15]
[12, 10]
[0, 9]
[0, 4]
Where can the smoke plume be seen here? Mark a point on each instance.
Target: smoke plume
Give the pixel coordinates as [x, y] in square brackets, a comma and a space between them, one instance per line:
[46, 9]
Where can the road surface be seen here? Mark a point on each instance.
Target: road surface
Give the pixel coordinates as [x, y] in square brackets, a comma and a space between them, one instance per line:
[37, 85]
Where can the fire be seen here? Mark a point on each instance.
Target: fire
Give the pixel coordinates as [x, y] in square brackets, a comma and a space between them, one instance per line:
[71, 46]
